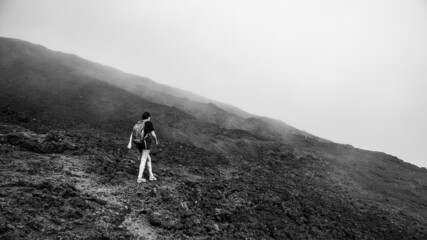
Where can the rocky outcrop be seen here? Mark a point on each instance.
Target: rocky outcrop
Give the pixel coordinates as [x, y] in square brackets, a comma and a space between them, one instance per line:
[51, 142]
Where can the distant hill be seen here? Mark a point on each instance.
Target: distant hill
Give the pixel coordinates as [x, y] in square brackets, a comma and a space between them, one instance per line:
[44, 88]
[260, 177]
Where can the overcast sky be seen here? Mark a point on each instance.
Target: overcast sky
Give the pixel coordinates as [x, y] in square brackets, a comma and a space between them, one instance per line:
[349, 71]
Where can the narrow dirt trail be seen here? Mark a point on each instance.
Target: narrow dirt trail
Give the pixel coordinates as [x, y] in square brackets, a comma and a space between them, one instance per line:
[24, 173]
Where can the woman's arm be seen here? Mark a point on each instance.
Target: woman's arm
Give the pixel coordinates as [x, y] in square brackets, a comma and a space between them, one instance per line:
[155, 137]
[130, 141]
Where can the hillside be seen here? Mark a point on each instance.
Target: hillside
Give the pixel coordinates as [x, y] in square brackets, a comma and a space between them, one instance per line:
[223, 173]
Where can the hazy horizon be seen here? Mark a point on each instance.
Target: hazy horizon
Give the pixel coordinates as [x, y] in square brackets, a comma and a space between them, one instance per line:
[351, 72]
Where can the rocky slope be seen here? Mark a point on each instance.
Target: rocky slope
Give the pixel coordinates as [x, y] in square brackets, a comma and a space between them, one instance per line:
[66, 174]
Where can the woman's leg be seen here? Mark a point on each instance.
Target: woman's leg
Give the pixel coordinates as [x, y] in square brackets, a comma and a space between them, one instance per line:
[138, 157]
[150, 169]
[142, 165]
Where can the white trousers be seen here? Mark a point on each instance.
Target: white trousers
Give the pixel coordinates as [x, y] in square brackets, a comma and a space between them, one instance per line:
[145, 158]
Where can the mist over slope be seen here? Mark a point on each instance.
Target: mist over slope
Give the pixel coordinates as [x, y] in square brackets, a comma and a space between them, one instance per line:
[223, 173]
[202, 108]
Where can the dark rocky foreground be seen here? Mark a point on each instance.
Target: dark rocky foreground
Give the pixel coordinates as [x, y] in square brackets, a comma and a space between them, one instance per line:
[82, 185]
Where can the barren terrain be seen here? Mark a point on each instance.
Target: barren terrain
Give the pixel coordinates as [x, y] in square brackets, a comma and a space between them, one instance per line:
[66, 173]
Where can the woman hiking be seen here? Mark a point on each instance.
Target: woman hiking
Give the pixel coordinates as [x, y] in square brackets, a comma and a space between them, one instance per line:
[141, 137]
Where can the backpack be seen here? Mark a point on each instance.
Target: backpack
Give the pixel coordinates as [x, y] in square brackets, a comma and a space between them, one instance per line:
[138, 132]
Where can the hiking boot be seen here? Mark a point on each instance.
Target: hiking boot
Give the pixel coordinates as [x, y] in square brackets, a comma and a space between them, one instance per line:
[141, 180]
[152, 178]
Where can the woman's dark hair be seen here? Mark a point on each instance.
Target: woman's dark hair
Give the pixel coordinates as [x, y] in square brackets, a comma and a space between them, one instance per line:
[145, 115]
